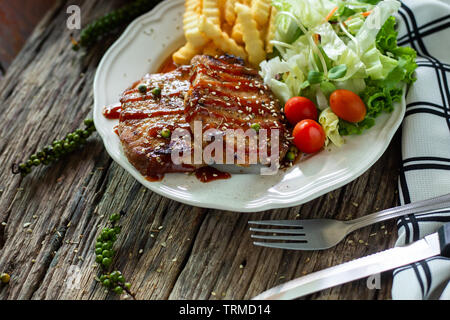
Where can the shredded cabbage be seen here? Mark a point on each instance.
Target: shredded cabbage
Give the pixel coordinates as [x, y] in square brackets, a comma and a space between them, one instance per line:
[330, 124]
[355, 49]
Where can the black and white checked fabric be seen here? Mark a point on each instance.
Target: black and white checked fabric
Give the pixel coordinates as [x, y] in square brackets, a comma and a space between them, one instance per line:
[425, 26]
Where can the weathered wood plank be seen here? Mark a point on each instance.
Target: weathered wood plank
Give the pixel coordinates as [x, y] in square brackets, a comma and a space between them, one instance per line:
[198, 253]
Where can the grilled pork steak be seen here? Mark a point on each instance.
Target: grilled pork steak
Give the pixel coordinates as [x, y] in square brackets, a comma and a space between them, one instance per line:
[143, 116]
[218, 93]
[225, 94]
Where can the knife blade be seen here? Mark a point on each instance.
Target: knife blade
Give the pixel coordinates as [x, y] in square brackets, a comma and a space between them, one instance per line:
[429, 246]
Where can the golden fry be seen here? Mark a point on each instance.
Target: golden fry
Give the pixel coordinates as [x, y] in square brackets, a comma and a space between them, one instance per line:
[185, 54]
[251, 36]
[261, 11]
[227, 28]
[230, 14]
[190, 24]
[236, 33]
[211, 11]
[271, 29]
[212, 50]
[221, 39]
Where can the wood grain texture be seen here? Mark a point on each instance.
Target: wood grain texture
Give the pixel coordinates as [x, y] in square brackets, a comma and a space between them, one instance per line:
[197, 254]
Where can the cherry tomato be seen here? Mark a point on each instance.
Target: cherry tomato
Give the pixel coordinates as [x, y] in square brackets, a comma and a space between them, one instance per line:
[298, 109]
[347, 105]
[309, 136]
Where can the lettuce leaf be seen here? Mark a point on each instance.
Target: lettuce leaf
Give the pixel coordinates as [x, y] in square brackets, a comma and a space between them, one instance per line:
[330, 124]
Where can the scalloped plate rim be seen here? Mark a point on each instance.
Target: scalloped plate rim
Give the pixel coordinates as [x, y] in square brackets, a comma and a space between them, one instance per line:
[271, 202]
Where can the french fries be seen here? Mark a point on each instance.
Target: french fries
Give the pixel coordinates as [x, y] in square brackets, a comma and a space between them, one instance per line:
[221, 39]
[211, 50]
[250, 34]
[185, 54]
[230, 15]
[211, 11]
[190, 24]
[261, 11]
[242, 28]
[236, 33]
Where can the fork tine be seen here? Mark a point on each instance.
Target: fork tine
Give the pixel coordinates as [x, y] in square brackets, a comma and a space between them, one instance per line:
[293, 238]
[291, 231]
[282, 245]
[280, 223]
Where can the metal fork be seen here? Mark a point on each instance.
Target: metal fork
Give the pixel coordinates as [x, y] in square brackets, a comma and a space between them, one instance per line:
[320, 234]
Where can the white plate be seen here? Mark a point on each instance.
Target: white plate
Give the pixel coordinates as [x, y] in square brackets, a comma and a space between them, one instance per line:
[146, 43]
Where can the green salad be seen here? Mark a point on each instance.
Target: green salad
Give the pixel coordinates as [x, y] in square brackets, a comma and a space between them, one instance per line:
[322, 46]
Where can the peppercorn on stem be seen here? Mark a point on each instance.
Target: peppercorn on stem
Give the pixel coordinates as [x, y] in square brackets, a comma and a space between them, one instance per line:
[56, 150]
[112, 22]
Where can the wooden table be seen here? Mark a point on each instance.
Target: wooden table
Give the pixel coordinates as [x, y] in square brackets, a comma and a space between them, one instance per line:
[166, 249]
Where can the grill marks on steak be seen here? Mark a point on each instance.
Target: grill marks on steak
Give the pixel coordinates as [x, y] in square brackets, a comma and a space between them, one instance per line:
[225, 94]
[143, 116]
[222, 93]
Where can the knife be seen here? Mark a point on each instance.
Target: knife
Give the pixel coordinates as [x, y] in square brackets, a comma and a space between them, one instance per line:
[432, 245]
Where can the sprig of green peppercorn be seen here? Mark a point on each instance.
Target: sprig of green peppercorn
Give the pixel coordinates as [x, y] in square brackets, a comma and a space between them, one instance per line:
[56, 150]
[111, 22]
[104, 252]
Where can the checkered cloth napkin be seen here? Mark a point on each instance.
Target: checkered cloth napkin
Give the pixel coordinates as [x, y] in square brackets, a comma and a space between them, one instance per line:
[425, 26]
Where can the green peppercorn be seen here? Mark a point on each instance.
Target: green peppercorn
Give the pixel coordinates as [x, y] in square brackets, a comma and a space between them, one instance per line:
[114, 217]
[102, 278]
[111, 233]
[88, 122]
[290, 156]
[142, 88]
[36, 162]
[107, 245]
[106, 262]
[99, 258]
[114, 276]
[99, 244]
[256, 127]
[33, 157]
[156, 92]
[4, 278]
[293, 149]
[121, 279]
[165, 133]
[106, 283]
[98, 251]
[29, 163]
[76, 137]
[106, 253]
[118, 290]
[127, 285]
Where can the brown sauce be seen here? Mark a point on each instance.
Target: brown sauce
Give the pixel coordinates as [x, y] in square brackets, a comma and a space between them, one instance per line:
[155, 177]
[167, 66]
[208, 174]
[112, 111]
